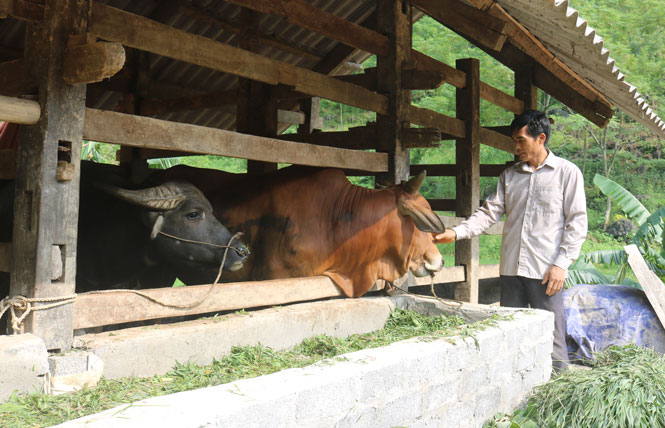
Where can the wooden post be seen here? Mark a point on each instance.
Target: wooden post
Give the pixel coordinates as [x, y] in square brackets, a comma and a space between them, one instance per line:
[47, 177]
[257, 107]
[311, 107]
[525, 90]
[394, 21]
[467, 153]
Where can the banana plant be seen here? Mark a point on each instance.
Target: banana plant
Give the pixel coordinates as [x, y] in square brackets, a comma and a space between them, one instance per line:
[649, 239]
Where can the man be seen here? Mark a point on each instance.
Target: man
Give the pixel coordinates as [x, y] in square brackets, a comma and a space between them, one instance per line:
[546, 223]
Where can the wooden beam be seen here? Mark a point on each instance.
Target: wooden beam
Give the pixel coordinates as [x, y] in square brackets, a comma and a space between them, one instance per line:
[93, 310]
[497, 140]
[421, 137]
[7, 164]
[501, 99]
[442, 204]
[22, 9]
[445, 275]
[451, 170]
[135, 131]
[291, 117]
[367, 79]
[467, 183]
[119, 26]
[449, 126]
[16, 110]
[92, 62]
[5, 257]
[487, 30]
[314, 19]
[652, 285]
[356, 138]
[451, 75]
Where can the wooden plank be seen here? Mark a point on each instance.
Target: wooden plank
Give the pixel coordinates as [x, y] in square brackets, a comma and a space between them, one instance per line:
[486, 29]
[431, 119]
[652, 285]
[119, 26]
[21, 9]
[311, 18]
[467, 183]
[291, 117]
[501, 99]
[488, 271]
[46, 203]
[445, 275]
[93, 62]
[451, 170]
[356, 138]
[497, 140]
[17, 110]
[93, 310]
[136, 131]
[5, 256]
[451, 75]
[7, 164]
[421, 137]
[525, 89]
[442, 204]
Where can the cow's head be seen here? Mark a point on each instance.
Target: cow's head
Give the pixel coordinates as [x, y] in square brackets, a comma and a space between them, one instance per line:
[420, 222]
[184, 230]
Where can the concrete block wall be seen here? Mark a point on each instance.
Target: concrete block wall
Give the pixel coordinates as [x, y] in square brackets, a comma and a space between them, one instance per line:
[452, 382]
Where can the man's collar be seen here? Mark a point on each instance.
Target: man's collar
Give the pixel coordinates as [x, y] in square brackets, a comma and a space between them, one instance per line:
[551, 161]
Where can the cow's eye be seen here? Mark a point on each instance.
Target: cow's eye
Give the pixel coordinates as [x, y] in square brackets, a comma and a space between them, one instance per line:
[193, 215]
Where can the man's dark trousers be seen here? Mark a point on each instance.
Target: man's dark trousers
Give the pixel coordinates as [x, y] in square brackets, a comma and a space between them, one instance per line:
[520, 292]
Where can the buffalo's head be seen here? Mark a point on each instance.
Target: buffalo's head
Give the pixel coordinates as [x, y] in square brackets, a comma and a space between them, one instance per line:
[423, 256]
[184, 230]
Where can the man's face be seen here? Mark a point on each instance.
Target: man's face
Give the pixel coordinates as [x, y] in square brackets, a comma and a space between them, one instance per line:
[528, 148]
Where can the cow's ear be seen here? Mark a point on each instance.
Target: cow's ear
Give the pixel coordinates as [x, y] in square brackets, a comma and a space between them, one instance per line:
[413, 185]
[426, 220]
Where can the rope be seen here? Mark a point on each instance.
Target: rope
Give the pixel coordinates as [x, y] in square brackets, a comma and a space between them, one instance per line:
[25, 304]
[447, 302]
[227, 246]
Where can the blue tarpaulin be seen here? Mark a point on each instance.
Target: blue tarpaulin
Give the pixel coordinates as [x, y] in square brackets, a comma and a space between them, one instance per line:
[599, 316]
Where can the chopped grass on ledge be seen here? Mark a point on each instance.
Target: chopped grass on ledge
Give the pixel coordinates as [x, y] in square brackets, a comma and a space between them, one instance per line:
[40, 410]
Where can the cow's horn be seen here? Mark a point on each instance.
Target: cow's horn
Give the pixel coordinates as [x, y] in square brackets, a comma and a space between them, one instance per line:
[414, 184]
[164, 197]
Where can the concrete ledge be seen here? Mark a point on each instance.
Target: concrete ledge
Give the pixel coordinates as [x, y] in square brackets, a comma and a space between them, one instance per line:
[451, 382]
[24, 364]
[146, 351]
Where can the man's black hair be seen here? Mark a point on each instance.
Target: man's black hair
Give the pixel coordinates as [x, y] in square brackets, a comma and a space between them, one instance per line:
[536, 123]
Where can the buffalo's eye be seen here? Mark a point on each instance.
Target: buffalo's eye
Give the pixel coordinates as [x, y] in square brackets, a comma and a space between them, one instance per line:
[193, 215]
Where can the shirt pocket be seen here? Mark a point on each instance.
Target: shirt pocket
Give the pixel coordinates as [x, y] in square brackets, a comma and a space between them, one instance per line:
[549, 200]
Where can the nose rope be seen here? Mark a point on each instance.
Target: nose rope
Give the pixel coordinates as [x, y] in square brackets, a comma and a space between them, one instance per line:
[192, 241]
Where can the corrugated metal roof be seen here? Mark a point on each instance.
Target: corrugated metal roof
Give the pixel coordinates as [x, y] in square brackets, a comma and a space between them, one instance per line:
[570, 38]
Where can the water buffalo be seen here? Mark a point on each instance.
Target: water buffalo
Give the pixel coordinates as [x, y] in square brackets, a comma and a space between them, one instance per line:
[140, 238]
[302, 221]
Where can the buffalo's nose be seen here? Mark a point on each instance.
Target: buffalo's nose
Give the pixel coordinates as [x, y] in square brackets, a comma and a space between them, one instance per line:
[242, 251]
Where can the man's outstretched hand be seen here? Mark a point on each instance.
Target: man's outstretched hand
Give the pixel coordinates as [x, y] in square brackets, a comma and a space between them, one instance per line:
[554, 278]
[446, 237]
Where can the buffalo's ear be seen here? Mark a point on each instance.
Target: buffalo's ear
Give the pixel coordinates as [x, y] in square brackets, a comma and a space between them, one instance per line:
[157, 227]
[413, 185]
[425, 219]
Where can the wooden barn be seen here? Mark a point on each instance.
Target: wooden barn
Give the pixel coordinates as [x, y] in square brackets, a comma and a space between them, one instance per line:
[227, 77]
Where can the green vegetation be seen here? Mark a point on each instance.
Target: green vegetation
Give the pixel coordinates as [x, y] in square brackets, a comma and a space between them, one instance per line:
[40, 410]
[624, 388]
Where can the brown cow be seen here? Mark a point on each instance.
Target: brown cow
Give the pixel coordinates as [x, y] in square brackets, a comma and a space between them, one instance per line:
[302, 221]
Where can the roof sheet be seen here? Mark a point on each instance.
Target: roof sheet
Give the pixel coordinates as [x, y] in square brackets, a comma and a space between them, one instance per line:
[570, 38]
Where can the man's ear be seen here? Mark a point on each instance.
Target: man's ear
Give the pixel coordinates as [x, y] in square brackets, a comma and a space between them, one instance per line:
[542, 138]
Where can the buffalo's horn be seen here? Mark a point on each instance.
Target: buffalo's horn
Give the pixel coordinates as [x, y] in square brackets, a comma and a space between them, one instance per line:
[157, 227]
[414, 184]
[164, 197]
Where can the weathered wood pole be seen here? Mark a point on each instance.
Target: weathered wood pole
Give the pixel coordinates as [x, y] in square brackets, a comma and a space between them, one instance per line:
[47, 177]
[525, 90]
[467, 155]
[394, 21]
[256, 112]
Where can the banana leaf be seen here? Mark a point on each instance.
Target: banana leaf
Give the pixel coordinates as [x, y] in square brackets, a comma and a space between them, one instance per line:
[623, 198]
[652, 229]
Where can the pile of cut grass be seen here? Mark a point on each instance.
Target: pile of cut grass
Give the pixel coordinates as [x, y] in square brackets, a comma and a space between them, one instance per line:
[624, 388]
[40, 410]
